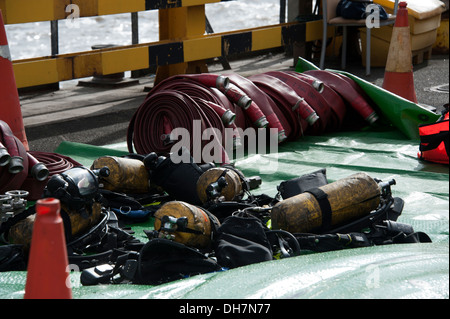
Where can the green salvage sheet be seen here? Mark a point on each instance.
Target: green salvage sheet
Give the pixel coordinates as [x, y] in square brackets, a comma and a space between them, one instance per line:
[392, 271]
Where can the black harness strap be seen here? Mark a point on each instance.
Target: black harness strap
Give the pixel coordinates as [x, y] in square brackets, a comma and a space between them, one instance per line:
[325, 207]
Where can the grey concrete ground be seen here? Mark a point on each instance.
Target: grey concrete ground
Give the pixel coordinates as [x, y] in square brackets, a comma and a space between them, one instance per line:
[99, 116]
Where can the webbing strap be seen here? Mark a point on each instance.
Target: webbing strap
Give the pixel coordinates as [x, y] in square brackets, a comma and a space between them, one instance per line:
[325, 207]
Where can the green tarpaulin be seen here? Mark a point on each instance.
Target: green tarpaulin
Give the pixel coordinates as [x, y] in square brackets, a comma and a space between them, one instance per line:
[393, 271]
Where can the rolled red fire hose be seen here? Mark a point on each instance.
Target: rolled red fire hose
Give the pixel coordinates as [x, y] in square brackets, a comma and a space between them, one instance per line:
[193, 88]
[251, 109]
[37, 169]
[53, 162]
[164, 111]
[283, 109]
[34, 169]
[15, 171]
[264, 103]
[312, 97]
[315, 83]
[12, 180]
[294, 103]
[294, 108]
[207, 79]
[15, 163]
[334, 100]
[348, 92]
[210, 87]
[240, 120]
[5, 158]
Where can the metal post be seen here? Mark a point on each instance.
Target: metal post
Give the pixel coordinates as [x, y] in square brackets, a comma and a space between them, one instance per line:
[299, 10]
[282, 11]
[134, 28]
[135, 38]
[54, 37]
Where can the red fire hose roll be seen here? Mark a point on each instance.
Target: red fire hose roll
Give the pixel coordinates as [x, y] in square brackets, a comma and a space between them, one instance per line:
[4, 155]
[227, 116]
[162, 112]
[295, 108]
[312, 97]
[315, 83]
[185, 85]
[208, 79]
[251, 109]
[37, 169]
[240, 119]
[194, 88]
[334, 100]
[265, 103]
[14, 173]
[284, 91]
[342, 87]
[293, 124]
[12, 180]
[55, 163]
[147, 126]
[15, 163]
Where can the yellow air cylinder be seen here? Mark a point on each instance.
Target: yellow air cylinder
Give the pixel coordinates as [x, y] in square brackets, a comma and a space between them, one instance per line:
[21, 232]
[230, 192]
[198, 230]
[349, 198]
[126, 175]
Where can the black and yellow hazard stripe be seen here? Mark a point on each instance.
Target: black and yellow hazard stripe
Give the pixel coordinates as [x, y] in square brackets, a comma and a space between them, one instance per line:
[45, 70]
[165, 4]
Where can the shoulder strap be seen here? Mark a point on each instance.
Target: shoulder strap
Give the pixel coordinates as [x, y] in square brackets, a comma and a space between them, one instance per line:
[325, 207]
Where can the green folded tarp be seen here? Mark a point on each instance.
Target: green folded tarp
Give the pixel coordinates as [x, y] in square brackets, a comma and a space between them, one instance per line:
[393, 271]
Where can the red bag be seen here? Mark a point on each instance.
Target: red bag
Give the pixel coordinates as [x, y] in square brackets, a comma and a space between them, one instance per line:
[434, 140]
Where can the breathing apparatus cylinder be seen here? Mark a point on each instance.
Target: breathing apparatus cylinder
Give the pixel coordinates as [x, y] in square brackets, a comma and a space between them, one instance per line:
[186, 224]
[77, 190]
[127, 175]
[217, 182]
[177, 175]
[74, 224]
[347, 199]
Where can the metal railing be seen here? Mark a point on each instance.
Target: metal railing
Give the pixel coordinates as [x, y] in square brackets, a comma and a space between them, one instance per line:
[174, 53]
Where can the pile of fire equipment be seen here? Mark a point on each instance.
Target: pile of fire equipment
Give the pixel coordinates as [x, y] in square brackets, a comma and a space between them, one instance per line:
[206, 218]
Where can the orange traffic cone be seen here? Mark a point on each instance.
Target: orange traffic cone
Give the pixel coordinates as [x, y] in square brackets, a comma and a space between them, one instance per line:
[398, 76]
[48, 271]
[9, 102]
